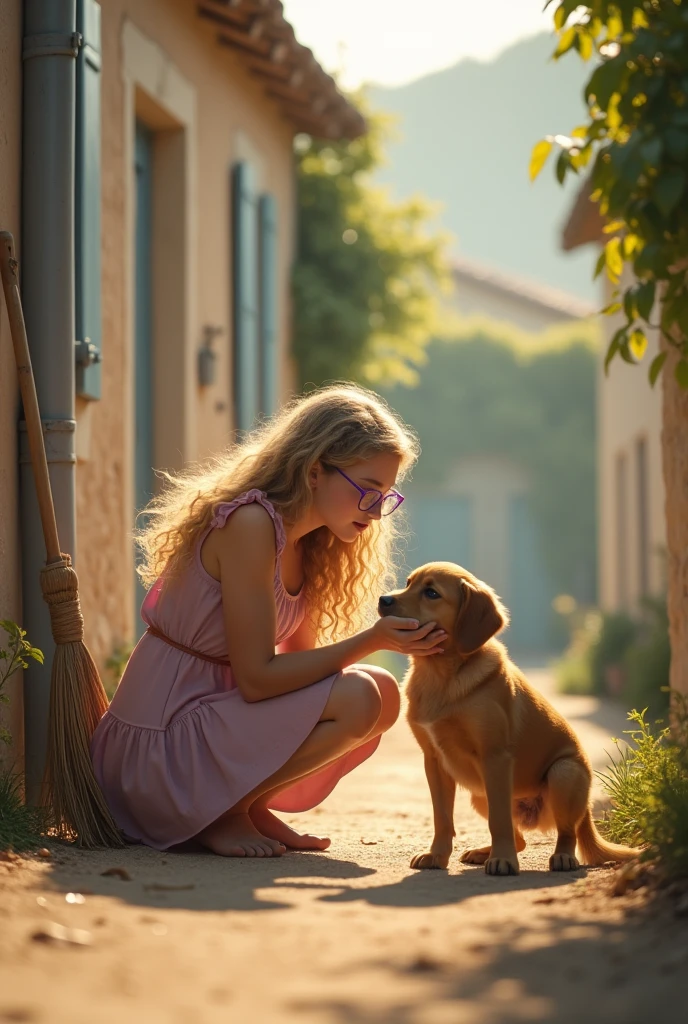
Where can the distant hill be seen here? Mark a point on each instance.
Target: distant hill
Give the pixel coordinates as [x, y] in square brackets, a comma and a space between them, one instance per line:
[467, 133]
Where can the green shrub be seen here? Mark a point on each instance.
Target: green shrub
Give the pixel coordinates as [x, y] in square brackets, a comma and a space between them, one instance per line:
[616, 635]
[620, 656]
[573, 671]
[647, 660]
[20, 826]
[648, 789]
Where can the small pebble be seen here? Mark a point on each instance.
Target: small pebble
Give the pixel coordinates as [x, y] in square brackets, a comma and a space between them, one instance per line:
[44, 852]
[56, 934]
[117, 873]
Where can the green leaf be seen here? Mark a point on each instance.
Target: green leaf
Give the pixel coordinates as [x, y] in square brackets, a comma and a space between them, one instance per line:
[563, 165]
[649, 259]
[614, 347]
[656, 367]
[567, 39]
[599, 266]
[605, 81]
[585, 44]
[645, 299]
[629, 304]
[625, 351]
[676, 143]
[651, 151]
[676, 311]
[637, 343]
[538, 158]
[612, 308]
[681, 373]
[668, 190]
[613, 258]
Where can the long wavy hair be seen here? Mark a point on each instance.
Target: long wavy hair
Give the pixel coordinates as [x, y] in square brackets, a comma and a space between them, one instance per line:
[336, 425]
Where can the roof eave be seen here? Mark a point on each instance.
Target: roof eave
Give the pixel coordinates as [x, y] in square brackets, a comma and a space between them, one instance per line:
[306, 95]
[585, 223]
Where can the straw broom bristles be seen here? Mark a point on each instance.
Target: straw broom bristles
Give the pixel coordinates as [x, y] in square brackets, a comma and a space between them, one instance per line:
[77, 703]
[75, 803]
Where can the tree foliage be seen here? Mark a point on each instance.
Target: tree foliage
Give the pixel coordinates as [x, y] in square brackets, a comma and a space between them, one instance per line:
[366, 269]
[636, 141]
[493, 391]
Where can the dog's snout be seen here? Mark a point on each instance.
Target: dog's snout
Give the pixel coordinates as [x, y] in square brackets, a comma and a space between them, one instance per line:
[386, 601]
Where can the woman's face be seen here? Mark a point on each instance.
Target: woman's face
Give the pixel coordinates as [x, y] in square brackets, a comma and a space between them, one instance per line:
[336, 499]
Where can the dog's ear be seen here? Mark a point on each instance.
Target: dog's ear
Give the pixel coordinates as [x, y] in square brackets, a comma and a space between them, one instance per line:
[481, 616]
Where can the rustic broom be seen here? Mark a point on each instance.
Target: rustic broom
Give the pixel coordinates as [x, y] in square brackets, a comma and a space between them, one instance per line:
[75, 803]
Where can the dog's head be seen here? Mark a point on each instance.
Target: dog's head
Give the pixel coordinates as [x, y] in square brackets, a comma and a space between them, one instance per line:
[441, 592]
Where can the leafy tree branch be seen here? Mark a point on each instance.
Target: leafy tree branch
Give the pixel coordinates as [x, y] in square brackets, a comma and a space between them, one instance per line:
[635, 140]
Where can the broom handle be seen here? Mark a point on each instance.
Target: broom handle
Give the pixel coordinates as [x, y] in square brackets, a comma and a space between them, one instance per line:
[8, 268]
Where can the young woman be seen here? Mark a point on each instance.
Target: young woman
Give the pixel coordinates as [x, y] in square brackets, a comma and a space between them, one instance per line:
[247, 694]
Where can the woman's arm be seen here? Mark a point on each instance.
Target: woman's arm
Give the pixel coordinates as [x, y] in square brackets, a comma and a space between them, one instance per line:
[246, 556]
[303, 638]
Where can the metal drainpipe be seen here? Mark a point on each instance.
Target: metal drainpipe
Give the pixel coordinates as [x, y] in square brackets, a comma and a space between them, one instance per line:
[50, 48]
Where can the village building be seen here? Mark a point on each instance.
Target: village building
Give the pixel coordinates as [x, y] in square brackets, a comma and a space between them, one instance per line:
[147, 175]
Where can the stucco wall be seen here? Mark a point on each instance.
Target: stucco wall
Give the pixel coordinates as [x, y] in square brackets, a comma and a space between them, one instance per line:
[628, 410]
[10, 160]
[231, 116]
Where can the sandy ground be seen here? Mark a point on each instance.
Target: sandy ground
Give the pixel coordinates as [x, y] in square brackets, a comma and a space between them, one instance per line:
[351, 936]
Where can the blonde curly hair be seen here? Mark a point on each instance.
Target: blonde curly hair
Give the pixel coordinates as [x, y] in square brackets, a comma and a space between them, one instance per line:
[336, 425]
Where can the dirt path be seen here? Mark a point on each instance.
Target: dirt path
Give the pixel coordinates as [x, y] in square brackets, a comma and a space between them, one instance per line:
[352, 936]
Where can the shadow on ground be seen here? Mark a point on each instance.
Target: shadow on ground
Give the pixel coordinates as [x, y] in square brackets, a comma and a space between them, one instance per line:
[201, 881]
[598, 973]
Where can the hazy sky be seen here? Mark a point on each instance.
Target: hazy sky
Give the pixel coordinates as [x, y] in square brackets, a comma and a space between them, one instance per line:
[390, 42]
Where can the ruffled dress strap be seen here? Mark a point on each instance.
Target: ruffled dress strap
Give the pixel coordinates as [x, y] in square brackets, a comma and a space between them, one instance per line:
[225, 509]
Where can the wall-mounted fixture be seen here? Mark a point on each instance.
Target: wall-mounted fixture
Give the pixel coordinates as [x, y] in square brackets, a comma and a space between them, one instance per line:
[207, 357]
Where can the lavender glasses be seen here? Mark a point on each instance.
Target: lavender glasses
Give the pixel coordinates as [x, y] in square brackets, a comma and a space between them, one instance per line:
[370, 497]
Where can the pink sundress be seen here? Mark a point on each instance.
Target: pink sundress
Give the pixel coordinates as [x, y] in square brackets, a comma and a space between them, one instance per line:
[179, 745]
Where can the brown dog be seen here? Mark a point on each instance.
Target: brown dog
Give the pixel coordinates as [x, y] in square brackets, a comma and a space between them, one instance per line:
[481, 725]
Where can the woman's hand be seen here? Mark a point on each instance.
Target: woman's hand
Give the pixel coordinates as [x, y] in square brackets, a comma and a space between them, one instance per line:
[392, 633]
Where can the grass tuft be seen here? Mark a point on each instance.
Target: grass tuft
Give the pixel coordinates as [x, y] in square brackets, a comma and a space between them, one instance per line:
[648, 789]
[21, 826]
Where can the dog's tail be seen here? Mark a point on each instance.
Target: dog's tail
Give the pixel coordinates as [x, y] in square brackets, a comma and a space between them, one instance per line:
[595, 850]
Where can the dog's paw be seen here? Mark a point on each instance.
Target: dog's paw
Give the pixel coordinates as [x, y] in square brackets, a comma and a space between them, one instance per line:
[502, 866]
[475, 856]
[430, 860]
[563, 862]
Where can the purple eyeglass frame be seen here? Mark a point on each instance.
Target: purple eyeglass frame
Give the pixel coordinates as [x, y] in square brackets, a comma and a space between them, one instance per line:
[372, 490]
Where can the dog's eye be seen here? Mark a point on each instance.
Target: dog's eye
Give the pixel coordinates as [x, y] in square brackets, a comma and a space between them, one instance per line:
[432, 594]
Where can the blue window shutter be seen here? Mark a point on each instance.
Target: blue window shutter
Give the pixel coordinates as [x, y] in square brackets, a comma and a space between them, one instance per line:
[87, 203]
[267, 220]
[245, 289]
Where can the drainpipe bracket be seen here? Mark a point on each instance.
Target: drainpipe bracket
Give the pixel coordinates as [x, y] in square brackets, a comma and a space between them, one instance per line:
[59, 438]
[52, 44]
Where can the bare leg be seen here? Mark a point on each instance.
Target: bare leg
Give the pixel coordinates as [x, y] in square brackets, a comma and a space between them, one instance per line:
[267, 822]
[350, 715]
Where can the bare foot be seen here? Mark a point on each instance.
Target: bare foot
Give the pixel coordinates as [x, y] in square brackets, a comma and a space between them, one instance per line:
[272, 826]
[235, 835]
